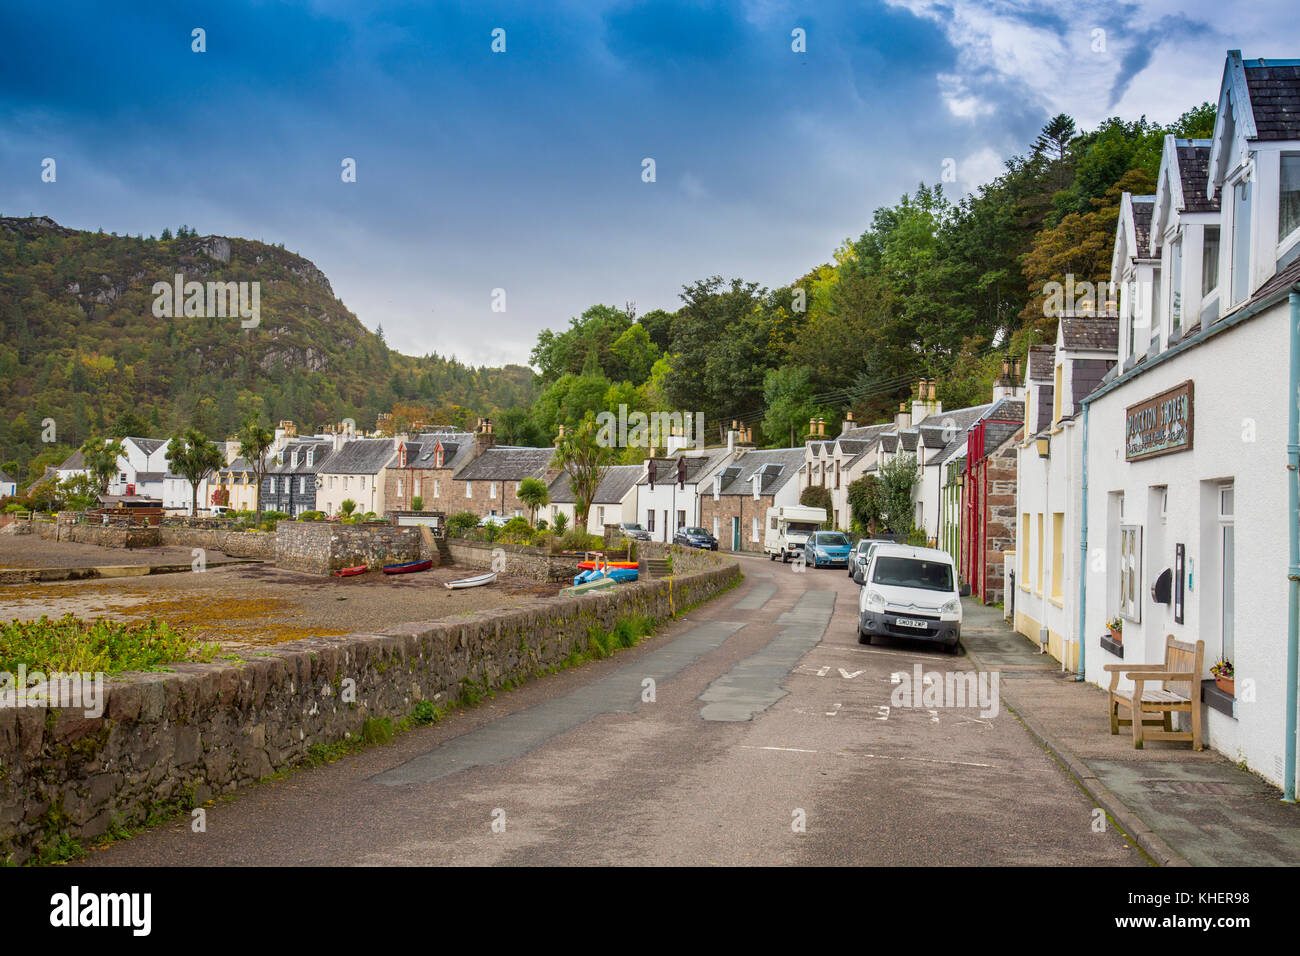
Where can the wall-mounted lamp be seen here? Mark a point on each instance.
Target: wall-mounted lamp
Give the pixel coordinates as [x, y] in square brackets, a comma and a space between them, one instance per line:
[1044, 447]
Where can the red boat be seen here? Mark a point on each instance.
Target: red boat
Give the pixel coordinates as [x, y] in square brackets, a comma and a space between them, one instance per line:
[407, 568]
[590, 565]
[351, 572]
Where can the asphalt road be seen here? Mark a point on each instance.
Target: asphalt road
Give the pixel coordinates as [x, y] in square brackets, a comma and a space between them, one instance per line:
[771, 739]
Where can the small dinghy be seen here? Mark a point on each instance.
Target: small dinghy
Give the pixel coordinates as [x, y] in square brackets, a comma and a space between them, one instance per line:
[351, 572]
[477, 581]
[408, 567]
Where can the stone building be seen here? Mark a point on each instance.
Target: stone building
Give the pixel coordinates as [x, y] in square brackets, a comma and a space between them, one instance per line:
[734, 504]
[988, 499]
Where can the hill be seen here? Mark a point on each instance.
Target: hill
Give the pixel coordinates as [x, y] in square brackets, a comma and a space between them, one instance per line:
[81, 344]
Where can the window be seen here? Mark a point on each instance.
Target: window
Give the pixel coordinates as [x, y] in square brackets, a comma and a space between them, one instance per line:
[302, 485]
[753, 530]
[715, 526]
[293, 460]
[681, 518]
[311, 456]
[1130, 572]
[1228, 547]
[1240, 241]
[399, 487]
[1024, 551]
[363, 482]
[717, 487]
[415, 487]
[600, 516]
[1038, 588]
[1210, 261]
[437, 488]
[1058, 552]
[1153, 321]
[1175, 285]
[650, 520]
[469, 489]
[492, 489]
[1288, 219]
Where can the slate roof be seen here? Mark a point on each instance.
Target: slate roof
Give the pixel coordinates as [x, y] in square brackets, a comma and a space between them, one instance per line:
[1286, 278]
[5, 478]
[457, 449]
[240, 464]
[323, 449]
[908, 439]
[73, 462]
[697, 465]
[955, 425]
[1046, 404]
[775, 466]
[866, 432]
[143, 476]
[507, 463]
[1042, 363]
[1143, 207]
[147, 445]
[1194, 173]
[1274, 98]
[361, 456]
[1085, 376]
[1096, 334]
[618, 481]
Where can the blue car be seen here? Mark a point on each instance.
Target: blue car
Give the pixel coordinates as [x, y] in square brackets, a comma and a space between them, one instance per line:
[827, 549]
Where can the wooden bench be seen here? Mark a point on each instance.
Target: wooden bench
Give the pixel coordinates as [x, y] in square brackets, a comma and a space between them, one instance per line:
[1147, 706]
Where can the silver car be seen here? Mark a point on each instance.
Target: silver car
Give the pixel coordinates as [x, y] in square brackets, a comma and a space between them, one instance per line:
[861, 557]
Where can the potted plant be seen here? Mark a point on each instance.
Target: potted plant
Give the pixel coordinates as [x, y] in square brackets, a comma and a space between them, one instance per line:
[1116, 626]
[1224, 676]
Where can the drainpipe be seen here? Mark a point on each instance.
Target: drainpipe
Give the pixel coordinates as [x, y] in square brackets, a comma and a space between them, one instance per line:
[1083, 546]
[1293, 532]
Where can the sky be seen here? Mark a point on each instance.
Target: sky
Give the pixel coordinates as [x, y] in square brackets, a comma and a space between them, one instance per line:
[525, 170]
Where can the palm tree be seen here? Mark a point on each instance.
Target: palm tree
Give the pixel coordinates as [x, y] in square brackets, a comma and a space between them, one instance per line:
[535, 494]
[193, 457]
[254, 441]
[100, 457]
[579, 452]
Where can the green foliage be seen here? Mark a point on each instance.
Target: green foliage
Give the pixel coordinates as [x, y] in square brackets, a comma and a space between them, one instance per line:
[580, 453]
[78, 492]
[193, 457]
[534, 494]
[577, 539]
[815, 496]
[73, 644]
[311, 515]
[460, 522]
[347, 507]
[864, 503]
[561, 523]
[417, 503]
[898, 478]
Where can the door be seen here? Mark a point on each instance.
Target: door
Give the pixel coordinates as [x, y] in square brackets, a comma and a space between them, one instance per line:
[735, 534]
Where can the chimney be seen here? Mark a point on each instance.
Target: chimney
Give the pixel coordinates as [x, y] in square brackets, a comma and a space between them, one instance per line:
[847, 423]
[903, 419]
[483, 438]
[812, 428]
[1009, 385]
[821, 428]
[290, 429]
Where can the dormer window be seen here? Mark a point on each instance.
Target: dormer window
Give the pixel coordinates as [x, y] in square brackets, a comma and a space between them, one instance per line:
[311, 454]
[1210, 261]
[1241, 193]
[1176, 285]
[1288, 218]
[293, 459]
[437, 456]
[401, 457]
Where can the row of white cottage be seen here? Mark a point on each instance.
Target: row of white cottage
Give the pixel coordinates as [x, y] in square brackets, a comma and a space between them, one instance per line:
[1164, 492]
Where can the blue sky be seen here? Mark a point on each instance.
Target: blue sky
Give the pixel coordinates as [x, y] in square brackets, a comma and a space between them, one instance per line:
[522, 170]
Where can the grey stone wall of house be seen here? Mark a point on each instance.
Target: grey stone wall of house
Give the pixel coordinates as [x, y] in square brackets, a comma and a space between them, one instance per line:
[177, 739]
[319, 547]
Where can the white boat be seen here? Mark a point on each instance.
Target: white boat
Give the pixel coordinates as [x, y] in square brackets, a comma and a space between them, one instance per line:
[474, 582]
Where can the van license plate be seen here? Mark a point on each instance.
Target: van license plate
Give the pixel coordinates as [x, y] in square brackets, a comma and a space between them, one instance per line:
[908, 622]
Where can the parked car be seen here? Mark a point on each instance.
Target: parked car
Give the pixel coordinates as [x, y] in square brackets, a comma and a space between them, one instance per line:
[696, 538]
[827, 548]
[910, 592]
[861, 558]
[630, 529]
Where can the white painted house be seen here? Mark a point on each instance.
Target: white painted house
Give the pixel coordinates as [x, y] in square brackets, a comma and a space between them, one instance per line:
[1188, 468]
[613, 503]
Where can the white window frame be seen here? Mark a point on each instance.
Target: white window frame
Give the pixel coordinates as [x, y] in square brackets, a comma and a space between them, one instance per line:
[1130, 572]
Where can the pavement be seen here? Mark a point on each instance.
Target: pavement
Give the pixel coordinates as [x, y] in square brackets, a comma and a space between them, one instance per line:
[753, 730]
[1183, 807]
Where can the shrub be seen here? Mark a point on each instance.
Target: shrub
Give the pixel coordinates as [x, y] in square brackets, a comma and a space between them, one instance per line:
[73, 644]
[417, 503]
[577, 539]
[311, 516]
[561, 523]
[461, 522]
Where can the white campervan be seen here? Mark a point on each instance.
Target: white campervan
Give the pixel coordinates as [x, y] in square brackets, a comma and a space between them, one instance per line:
[788, 528]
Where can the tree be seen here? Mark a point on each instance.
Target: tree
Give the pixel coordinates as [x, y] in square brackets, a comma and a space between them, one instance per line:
[193, 457]
[417, 503]
[816, 496]
[534, 493]
[897, 480]
[78, 492]
[586, 460]
[864, 503]
[346, 508]
[100, 458]
[254, 441]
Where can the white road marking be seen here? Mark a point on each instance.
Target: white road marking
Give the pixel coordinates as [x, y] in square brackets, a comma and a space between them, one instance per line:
[834, 711]
[847, 676]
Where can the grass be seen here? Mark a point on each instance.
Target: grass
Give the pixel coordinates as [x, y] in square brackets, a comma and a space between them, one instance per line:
[71, 644]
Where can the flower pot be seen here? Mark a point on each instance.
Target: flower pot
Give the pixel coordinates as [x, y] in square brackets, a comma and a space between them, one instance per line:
[1117, 635]
[1225, 684]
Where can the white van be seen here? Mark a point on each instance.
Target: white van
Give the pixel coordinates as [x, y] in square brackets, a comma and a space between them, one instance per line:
[788, 528]
[910, 592]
